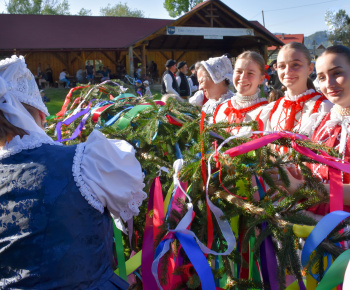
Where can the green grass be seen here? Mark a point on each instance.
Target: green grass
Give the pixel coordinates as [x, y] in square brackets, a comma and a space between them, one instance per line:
[57, 97]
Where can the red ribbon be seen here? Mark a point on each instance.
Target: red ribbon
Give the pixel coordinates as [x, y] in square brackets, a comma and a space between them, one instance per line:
[230, 111]
[98, 112]
[67, 100]
[204, 177]
[295, 107]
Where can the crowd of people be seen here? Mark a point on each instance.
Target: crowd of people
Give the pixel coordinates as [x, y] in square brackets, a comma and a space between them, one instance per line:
[48, 189]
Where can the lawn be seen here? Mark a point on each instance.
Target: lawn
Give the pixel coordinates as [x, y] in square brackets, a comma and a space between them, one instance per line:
[57, 97]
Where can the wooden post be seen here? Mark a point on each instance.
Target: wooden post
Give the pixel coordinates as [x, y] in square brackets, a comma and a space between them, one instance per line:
[144, 59]
[131, 62]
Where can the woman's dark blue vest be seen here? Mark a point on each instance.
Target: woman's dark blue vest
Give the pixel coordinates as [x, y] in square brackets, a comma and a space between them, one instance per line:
[50, 237]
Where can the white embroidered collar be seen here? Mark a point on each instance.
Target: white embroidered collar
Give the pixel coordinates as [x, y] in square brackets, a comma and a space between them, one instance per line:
[240, 102]
[295, 98]
[31, 141]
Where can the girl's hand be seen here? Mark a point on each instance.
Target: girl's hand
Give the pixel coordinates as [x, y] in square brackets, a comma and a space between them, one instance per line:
[294, 176]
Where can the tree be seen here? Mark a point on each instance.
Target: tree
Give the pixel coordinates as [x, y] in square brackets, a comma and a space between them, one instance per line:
[121, 9]
[46, 7]
[338, 26]
[84, 12]
[177, 7]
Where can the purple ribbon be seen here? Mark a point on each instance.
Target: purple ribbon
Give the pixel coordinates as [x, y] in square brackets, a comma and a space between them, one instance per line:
[268, 262]
[70, 120]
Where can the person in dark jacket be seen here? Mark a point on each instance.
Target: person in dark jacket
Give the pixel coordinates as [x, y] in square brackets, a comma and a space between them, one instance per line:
[185, 89]
[169, 83]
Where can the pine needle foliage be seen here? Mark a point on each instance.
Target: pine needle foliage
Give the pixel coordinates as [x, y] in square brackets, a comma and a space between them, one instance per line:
[232, 187]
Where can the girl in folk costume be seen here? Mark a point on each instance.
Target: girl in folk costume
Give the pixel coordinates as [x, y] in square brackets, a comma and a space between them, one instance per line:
[301, 100]
[55, 223]
[214, 76]
[246, 105]
[333, 128]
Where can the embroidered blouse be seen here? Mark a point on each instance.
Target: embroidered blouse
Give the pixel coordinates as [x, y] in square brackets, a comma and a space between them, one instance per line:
[240, 109]
[210, 106]
[291, 113]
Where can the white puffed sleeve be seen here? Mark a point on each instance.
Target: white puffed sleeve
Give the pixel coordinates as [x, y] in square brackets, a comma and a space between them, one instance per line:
[197, 99]
[265, 116]
[312, 123]
[108, 175]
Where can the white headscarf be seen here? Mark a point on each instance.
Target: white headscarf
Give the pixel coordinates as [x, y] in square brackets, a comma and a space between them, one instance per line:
[219, 68]
[17, 85]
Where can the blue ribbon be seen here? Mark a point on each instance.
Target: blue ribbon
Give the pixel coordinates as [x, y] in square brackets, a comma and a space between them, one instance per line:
[198, 260]
[112, 120]
[178, 151]
[196, 257]
[320, 232]
[260, 188]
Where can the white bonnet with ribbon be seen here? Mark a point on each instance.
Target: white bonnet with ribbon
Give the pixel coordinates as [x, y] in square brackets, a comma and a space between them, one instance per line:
[219, 68]
[17, 80]
[17, 86]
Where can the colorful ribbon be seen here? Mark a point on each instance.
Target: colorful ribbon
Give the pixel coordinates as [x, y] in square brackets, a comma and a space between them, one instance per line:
[85, 112]
[323, 228]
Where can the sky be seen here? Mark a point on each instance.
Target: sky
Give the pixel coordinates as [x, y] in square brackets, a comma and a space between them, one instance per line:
[290, 17]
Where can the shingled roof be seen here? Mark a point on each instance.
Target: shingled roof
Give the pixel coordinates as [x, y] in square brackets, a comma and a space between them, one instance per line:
[58, 32]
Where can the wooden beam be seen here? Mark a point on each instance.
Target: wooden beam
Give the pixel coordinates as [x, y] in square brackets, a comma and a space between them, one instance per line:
[78, 56]
[203, 19]
[137, 55]
[144, 59]
[60, 58]
[162, 53]
[27, 54]
[219, 22]
[131, 61]
[107, 56]
[181, 55]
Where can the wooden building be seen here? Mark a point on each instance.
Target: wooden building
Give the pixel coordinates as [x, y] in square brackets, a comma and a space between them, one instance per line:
[209, 29]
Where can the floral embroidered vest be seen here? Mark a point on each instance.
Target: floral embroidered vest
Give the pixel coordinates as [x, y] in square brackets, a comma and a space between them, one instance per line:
[50, 237]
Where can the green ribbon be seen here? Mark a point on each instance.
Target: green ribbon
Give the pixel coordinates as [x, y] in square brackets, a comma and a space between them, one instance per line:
[123, 96]
[335, 274]
[129, 116]
[118, 240]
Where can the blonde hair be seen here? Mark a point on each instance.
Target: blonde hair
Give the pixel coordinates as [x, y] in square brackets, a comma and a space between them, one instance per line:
[254, 56]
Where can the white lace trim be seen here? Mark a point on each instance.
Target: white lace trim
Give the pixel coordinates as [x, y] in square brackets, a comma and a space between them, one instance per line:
[85, 190]
[127, 211]
[210, 106]
[294, 98]
[134, 204]
[240, 102]
[219, 68]
[31, 141]
[317, 122]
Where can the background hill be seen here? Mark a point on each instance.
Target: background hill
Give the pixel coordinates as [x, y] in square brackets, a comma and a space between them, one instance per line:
[321, 37]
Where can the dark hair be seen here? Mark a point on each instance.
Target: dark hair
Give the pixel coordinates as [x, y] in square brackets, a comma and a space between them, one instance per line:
[338, 49]
[303, 49]
[8, 130]
[275, 95]
[254, 56]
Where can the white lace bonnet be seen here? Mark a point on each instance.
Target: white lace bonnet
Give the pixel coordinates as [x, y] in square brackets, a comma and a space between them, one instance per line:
[219, 68]
[17, 85]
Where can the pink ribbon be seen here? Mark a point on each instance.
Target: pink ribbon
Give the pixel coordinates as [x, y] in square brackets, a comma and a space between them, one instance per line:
[335, 164]
[152, 223]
